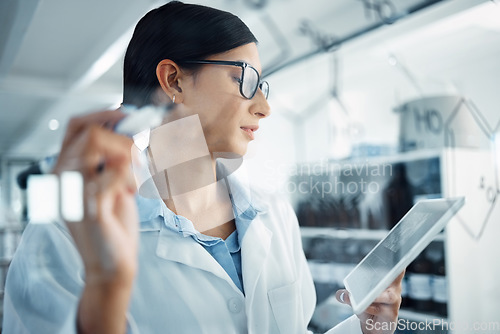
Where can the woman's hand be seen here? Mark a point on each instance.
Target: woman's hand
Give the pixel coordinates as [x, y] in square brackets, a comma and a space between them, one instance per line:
[107, 238]
[382, 315]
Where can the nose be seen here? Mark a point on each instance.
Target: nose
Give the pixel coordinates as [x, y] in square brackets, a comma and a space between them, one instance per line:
[260, 107]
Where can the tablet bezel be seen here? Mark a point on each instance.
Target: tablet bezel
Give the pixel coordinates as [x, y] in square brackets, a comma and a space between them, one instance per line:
[361, 305]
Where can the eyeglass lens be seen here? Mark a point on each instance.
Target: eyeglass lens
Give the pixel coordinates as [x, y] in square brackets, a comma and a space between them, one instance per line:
[251, 83]
[264, 87]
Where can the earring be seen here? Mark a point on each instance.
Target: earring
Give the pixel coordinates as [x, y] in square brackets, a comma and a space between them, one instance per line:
[173, 99]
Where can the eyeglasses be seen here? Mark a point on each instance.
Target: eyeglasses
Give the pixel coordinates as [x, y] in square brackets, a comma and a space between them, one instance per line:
[249, 80]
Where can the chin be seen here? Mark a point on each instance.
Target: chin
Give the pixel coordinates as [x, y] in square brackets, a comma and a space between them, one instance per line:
[230, 145]
[242, 150]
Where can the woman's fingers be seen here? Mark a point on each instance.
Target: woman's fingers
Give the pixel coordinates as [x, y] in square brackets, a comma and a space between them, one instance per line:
[385, 308]
[383, 311]
[390, 295]
[113, 194]
[398, 280]
[106, 118]
[342, 296]
[70, 155]
[107, 237]
[387, 303]
[94, 149]
[104, 146]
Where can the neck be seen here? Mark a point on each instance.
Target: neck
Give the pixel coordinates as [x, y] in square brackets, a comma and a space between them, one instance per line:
[184, 171]
[196, 195]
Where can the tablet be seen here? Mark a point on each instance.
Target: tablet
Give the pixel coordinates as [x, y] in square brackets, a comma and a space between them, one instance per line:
[405, 241]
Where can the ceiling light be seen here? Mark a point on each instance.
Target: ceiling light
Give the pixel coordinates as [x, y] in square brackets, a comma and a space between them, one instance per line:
[53, 124]
[392, 60]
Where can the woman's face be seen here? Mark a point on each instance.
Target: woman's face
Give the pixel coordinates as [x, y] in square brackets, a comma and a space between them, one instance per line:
[229, 120]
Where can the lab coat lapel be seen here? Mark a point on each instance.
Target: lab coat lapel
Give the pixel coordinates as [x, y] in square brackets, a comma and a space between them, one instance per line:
[255, 248]
[173, 247]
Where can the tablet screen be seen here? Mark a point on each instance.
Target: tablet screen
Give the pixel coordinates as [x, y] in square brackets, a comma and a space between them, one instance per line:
[398, 249]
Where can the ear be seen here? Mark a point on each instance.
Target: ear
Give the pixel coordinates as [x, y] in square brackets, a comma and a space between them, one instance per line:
[170, 78]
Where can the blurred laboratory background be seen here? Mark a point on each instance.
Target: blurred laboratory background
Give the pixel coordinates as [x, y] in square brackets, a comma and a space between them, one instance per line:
[375, 105]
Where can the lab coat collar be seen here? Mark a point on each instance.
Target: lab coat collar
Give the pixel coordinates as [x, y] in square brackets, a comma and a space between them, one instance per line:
[189, 252]
[254, 251]
[247, 208]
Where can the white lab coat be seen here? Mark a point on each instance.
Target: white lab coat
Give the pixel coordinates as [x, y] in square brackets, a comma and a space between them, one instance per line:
[179, 287]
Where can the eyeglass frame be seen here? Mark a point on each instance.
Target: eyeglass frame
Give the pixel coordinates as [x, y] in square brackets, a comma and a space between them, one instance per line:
[240, 64]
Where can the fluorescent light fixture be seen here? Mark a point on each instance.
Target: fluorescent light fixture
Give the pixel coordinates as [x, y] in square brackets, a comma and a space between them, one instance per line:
[72, 196]
[53, 124]
[392, 60]
[485, 15]
[105, 61]
[496, 155]
[43, 198]
[340, 142]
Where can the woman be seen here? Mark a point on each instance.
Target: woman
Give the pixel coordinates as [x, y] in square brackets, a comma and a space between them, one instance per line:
[209, 257]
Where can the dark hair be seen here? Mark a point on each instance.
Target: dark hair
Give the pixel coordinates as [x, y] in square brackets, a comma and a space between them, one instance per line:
[176, 31]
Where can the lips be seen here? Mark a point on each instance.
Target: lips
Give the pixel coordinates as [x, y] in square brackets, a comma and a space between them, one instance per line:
[249, 130]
